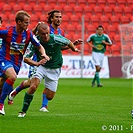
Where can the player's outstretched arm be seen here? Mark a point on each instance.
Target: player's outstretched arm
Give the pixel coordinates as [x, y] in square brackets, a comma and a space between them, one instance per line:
[73, 48]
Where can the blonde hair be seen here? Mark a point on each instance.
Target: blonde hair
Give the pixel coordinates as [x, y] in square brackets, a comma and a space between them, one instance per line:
[20, 15]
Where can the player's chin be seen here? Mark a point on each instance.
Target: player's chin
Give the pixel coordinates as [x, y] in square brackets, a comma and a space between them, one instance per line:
[58, 24]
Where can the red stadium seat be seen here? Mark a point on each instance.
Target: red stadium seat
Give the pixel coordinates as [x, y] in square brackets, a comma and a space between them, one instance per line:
[5, 20]
[124, 19]
[126, 50]
[128, 11]
[87, 20]
[92, 3]
[104, 20]
[16, 8]
[118, 11]
[129, 2]
[115, 20]
[22, 2]
[65, 19]
[62, 3]
[71, 29]
[102, 3]
[95, 20]
[108, 11]
[65, 52]
[58, 7]
[42, 2]
[98, 11]
[117, 39]
[78, 10]
[116, 50]
[91, 29]
[111, 3]
[68, 10]
[82, 3]
[47, 8]
[28, 8]
[131, 19]
[34, 20]
[38, 10]
[7, 9]
[12, 19]
[79, 29]
[72, 3]
[88, 11]
[76, 36]
[75, 20]
[69, 36]
[43, 18]
[111, 30]
[108, 51]
[52, 2]
[32, 2]
[11, 2]
[87, 49]
[121, 3]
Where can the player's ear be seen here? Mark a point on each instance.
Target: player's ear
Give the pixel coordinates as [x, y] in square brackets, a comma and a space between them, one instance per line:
[19, 22]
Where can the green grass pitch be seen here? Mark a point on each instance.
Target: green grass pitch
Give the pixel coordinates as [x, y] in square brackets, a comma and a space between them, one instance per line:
[76, 108]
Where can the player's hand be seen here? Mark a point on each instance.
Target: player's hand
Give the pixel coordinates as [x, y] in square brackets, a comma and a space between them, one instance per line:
[103, 41]
[42, 62]
[77, 50]
[77, 42]
[46, 57]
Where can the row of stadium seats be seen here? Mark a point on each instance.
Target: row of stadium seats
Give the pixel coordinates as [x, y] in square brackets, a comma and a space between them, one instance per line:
[82, 3]
[69, 10]
[108, 13]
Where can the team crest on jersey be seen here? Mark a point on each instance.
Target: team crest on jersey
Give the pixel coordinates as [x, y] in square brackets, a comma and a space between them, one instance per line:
[16, 48]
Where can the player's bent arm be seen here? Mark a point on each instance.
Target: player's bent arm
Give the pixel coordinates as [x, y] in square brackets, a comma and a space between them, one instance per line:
[72, 47]
[76, 42]
[31, 62]
[91, 45]
[43, 53]
[106, 43]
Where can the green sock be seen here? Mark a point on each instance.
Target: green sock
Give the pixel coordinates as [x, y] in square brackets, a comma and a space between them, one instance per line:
[27, 100]
[93, 81]
[97, 78]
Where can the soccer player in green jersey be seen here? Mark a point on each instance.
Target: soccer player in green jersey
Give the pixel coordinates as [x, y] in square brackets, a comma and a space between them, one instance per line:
[98, 42]
[51, 70]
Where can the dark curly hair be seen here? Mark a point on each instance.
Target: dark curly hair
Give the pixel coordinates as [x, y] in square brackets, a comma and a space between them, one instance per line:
[51, 15]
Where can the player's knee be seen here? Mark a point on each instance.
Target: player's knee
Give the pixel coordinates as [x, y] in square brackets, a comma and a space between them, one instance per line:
[33, 87]
[13, 78]
[49, 97]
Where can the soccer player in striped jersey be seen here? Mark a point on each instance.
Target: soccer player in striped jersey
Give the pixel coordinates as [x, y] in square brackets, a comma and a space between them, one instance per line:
[14, 44]
[2, 80]
[98, 42]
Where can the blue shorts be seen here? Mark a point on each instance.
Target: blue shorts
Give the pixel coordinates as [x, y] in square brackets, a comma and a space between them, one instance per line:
[4, 65]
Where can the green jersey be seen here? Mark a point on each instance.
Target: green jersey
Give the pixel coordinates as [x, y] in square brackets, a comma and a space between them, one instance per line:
[53, 50]
[97, 42]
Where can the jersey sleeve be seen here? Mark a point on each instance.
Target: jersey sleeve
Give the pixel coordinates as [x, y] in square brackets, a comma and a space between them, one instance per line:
[3, 32]
[89, 39]
[34, 40]
[29, 51]
[108, 39]
[61, 40]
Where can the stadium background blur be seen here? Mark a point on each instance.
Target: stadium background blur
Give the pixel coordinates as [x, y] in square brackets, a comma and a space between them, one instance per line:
[109, 13]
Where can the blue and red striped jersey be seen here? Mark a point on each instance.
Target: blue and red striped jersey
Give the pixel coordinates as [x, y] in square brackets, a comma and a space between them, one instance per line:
[59, 31]
[14, 44]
